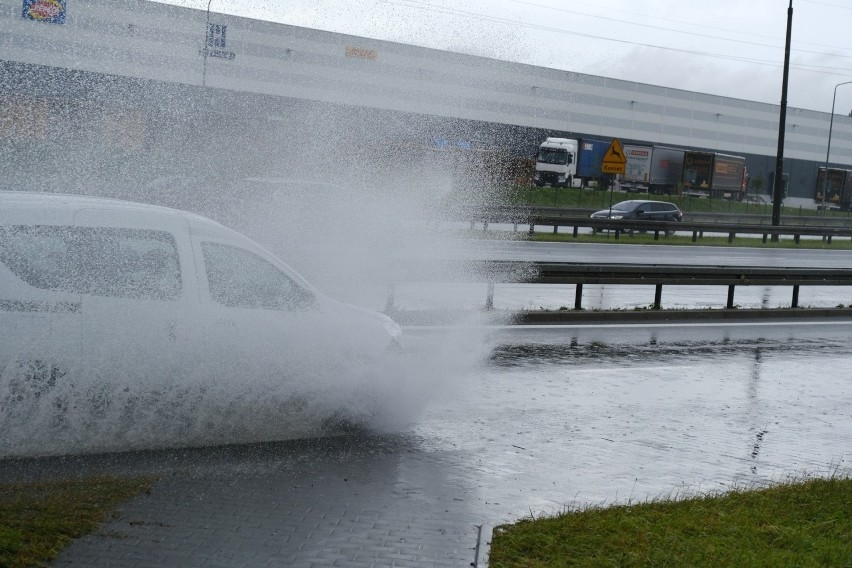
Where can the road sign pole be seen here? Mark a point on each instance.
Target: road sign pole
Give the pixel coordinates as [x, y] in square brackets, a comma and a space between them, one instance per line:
[614, 162]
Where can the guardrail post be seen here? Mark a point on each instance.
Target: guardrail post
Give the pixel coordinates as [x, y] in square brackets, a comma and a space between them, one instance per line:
[555, 228]
[656, 234]
[694, 236]
[795, 303]
[796, 238]
[731, 237]
[532, 229]
[764, 238]
[731, 296]
[578, 297]
[658, 296]
[576, 231]
[489, 300]
[617, 234]
[829, 239]
[485, 225]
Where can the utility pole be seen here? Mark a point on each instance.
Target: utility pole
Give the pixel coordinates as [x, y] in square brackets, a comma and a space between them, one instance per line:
[782, 124]
[207, 47]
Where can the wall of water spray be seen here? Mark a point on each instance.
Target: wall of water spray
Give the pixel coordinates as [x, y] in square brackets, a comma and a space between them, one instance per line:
[343, 194]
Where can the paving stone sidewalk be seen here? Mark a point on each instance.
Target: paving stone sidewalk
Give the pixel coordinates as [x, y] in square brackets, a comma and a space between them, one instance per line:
[340, 502]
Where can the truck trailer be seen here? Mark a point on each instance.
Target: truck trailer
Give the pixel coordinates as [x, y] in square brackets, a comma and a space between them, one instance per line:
[710, 174]
[838, 191]
[637, 170]
[589, 160]
[652, 169]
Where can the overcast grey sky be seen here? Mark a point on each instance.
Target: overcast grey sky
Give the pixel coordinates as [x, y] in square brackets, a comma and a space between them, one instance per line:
[727, 47]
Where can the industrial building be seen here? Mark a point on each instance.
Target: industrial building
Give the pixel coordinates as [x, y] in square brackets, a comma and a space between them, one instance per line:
[97, 94]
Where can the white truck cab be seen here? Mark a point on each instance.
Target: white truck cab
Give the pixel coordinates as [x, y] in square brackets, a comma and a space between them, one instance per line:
[556, 162]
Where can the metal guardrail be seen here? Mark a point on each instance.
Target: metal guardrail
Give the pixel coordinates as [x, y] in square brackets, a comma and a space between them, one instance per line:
[557, 219]
[660, 275]
[657, 275]
[520, 213]
[698, 230]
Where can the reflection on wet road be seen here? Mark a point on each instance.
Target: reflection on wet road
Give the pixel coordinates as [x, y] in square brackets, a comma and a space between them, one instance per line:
[597, 422]
[555, 419]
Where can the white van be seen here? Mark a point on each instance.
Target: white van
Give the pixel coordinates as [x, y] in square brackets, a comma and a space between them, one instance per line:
[160, 293]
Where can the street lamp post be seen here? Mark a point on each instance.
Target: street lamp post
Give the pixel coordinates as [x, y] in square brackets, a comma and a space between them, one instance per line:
[828, 149]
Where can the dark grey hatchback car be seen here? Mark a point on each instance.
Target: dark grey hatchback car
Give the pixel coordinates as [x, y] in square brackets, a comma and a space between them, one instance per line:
[638, 209]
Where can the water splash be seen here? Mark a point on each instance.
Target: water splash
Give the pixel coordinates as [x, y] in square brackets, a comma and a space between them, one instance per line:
[342, 194]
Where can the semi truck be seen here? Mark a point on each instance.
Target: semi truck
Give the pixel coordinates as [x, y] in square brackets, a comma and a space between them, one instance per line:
[559, 161]
[556, 162]
[711, 174]
[653, 169]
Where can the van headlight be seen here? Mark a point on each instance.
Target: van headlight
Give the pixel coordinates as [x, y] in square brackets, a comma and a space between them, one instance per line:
[395, 332]
[393, 329]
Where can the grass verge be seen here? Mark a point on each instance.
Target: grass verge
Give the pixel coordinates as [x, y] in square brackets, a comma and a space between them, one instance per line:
[799, 524]
[600, 199]
[38, 519]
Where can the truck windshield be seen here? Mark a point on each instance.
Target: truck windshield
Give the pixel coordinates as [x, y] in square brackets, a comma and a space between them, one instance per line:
[554, 156]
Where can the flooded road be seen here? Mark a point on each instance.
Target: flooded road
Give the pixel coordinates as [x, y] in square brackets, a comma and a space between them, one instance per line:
[592, 422]
[556, 418]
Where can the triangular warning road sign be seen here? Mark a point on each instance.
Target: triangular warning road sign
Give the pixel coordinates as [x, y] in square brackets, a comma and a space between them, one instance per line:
[615, 153]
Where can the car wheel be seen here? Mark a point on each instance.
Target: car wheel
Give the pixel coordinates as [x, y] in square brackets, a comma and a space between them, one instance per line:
[670, 232]
[34, 378]
[30, 387]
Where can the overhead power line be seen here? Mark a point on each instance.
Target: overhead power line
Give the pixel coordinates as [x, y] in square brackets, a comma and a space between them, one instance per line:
[428, 6]
[777, 45]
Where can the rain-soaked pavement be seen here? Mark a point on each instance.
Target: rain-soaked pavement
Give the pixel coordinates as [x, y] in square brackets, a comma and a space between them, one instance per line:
[557, 418]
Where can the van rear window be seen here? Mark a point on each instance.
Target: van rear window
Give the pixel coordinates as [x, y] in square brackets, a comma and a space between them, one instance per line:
[100, 261]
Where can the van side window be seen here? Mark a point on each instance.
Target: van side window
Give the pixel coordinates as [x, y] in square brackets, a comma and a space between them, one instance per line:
[238, 278]
[100, 261]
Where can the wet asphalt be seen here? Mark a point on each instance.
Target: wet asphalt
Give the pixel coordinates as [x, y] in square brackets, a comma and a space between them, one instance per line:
[554, 420]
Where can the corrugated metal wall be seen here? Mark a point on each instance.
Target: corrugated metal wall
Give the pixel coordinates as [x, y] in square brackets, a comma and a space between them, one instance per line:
[161, 42]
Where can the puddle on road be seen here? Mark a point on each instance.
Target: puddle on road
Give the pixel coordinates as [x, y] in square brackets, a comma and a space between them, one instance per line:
[615, 354]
